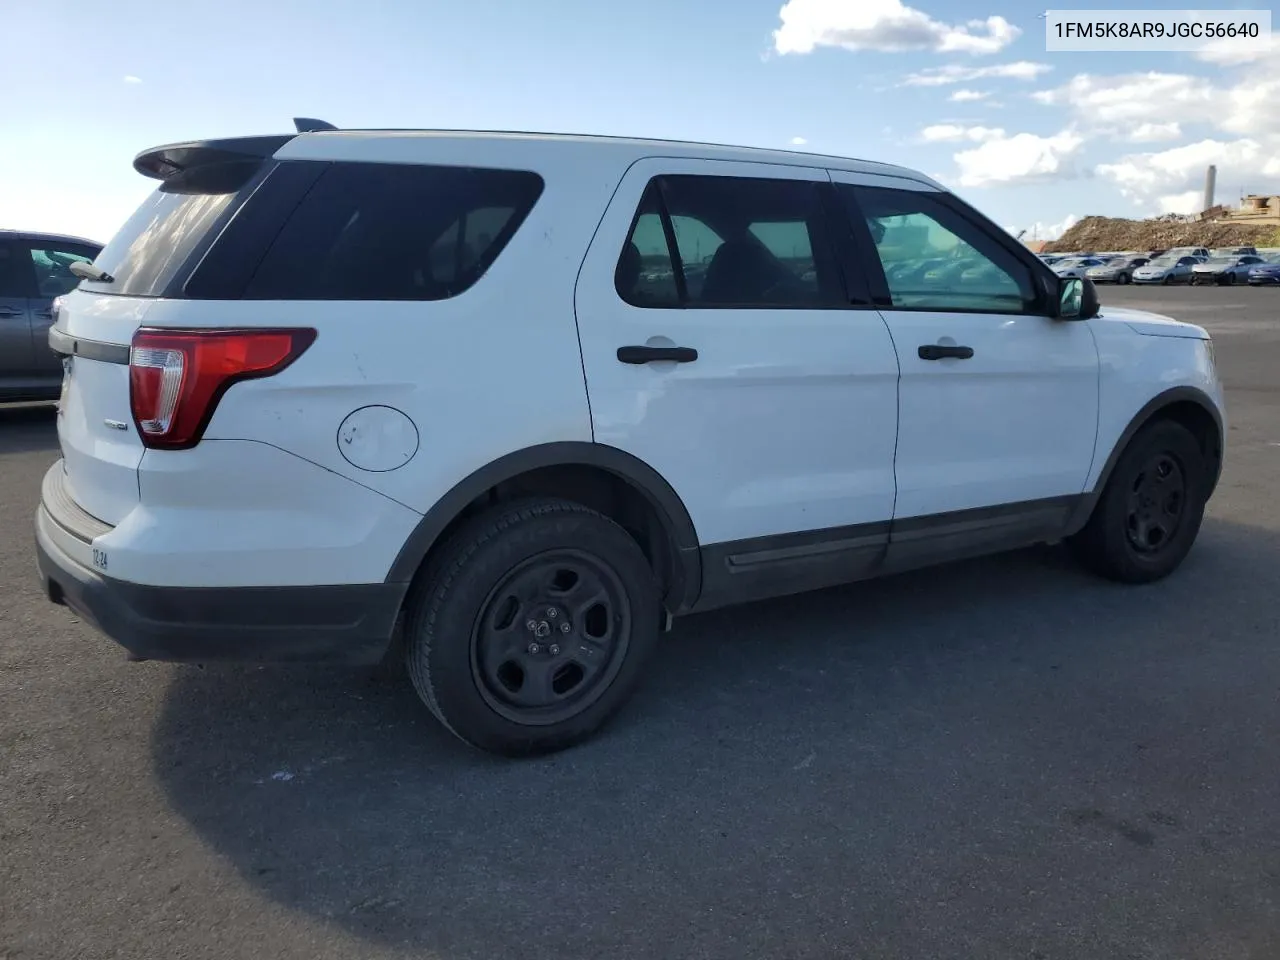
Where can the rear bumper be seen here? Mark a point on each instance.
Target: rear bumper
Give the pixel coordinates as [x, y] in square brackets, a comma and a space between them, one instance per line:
[351, 624]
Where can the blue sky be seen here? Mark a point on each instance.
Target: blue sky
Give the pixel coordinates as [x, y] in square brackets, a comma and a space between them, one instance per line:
[961, 89]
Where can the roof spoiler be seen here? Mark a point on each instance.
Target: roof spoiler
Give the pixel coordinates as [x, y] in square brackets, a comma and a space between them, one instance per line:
[172, 159]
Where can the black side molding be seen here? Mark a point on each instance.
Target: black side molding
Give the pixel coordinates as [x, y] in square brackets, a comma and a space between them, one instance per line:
[65, 345]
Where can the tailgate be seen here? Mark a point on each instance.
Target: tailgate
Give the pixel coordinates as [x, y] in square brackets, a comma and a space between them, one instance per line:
[101, 448]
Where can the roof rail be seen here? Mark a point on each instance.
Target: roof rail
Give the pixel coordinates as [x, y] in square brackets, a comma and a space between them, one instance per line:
[311, 125]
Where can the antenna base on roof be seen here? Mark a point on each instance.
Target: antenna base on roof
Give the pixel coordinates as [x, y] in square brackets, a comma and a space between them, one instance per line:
[311, 125]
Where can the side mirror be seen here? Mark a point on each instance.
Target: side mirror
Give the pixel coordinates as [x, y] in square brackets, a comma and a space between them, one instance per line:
[1070, 299]
[1077, 299]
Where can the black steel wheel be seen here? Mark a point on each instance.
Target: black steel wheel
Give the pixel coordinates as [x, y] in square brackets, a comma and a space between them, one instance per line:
[1156, 504]
[530, 628]
[1149, 513]
[551, 637]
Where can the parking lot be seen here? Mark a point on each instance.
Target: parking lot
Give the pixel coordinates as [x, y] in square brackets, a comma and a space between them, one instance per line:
[1004, 758]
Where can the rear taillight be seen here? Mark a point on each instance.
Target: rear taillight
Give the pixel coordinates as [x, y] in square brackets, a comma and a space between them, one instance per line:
[176, 377]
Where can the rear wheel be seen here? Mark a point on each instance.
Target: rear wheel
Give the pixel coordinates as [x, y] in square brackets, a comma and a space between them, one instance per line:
[1231, 279]
[1150, 511]
[531, 629]
[1122, 279]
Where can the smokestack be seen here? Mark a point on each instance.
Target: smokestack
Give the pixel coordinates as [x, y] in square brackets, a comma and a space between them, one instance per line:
[1210, 181]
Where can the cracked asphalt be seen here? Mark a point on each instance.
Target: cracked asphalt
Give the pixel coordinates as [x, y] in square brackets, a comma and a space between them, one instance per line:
[1003, 758]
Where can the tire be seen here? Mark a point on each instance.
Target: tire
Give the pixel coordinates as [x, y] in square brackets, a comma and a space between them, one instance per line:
[1166, 280]
[1120, 540]
[1122, 279]
[1231, 279]
[488, 618]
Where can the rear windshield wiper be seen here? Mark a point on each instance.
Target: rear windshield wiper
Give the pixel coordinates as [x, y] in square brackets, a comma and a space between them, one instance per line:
[87, 271]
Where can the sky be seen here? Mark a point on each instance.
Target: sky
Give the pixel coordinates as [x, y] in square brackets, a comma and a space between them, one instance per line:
[962, 90]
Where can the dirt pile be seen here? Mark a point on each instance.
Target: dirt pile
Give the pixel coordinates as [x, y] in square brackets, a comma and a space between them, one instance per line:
[1159, 233]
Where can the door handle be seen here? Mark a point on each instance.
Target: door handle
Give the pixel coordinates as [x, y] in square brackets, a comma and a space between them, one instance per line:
[44, 314]
[938, 351]
[654, 354]
[8, 312]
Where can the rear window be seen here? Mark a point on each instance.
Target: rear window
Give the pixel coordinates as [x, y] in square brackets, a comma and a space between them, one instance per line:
[373, 231]
[173, 223]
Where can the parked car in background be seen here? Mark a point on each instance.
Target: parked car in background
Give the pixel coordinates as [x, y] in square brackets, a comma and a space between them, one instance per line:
[1234, 252]
[1118, 270]
[35, 269]
[1224, 269]
[1202, 252]
[1076, 269]
[1166, 270]
[1266, 273]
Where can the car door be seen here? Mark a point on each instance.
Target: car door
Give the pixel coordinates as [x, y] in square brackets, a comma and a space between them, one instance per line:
[16, 284]
[51, 268]
[998, 401]
[721, 348]
[1244, 265]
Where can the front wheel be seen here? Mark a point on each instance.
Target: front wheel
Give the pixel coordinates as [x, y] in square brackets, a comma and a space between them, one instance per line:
[1145, 522]
[1122, 279]
[1166, 280]
[530, 631]
[1231, 279]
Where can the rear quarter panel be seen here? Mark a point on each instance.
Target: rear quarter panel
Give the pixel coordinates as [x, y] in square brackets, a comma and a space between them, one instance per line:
[493, 370]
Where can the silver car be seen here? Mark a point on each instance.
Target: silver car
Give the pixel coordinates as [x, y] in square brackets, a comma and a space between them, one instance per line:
[1116, 270]
[1166, 270]
[1229, 269]
[35, 268]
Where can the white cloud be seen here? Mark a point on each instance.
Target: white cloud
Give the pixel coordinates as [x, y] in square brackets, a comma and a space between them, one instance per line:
[884, 25]
[798, 141]
[1132, 98]
[1122, 101]
[1022, 158]
[952, 133]
[1189, 202]
[1172, 181]
[1154, 132]
[130, 78]
[967, 96]
[942, 76]
[1230, 53]
[1047, 231]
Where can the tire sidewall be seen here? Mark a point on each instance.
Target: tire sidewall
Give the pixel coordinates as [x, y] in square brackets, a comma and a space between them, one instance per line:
[1177, 441]
[442, 633]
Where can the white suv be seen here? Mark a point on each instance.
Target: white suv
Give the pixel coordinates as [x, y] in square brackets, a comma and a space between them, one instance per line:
[513, 401]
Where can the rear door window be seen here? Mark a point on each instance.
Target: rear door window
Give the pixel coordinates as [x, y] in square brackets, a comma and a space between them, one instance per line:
[370, 231]
[709, 241]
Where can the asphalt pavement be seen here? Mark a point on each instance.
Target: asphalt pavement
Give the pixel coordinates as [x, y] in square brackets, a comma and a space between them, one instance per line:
[1004, 758]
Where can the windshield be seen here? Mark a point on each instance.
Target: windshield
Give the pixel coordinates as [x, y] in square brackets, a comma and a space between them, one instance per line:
[1163, 262]
[1220, 262]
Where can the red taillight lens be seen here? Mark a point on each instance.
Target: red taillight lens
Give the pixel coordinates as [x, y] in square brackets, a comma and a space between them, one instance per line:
[176, 377]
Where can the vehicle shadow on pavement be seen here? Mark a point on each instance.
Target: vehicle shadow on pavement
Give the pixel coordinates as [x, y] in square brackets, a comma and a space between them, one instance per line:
[26, 428]
[993, 758]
